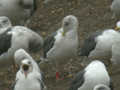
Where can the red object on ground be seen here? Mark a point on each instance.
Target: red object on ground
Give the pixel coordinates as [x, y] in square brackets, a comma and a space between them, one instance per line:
[57, 76]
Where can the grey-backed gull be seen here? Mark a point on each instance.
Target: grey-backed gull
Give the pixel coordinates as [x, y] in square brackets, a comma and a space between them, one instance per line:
[95, 73]
[15, 38]
[99, 45]
[62, 44]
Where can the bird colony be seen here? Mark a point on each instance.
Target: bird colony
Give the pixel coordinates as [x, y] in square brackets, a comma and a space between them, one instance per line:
[17, 42]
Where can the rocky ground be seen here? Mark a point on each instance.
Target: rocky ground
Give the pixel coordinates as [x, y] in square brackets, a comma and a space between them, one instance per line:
[92, 14]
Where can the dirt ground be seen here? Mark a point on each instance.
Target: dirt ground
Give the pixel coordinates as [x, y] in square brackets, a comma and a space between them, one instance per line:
[92, 14]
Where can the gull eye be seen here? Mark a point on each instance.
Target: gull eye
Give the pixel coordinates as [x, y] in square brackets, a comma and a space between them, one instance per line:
[66, 23]
[29, 62]
[5, 21]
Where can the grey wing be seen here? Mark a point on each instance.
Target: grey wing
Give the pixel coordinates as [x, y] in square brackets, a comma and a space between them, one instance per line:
[5, 41]
[48, 43]
[41, 80]
[77, 81]
[89, 44]
[42, 75]
[34, 6]
[13, 85]
[111, 85]
[112, 0]
[27, 4]
[42, 84]
[34, 46]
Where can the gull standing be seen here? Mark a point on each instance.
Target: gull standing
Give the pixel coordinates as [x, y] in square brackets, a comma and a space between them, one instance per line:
[95, 73]
[62, 44]
[17, 10]
[15, 38]
[28, 78]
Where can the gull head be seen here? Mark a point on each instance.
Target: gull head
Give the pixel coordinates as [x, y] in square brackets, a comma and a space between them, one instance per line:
[69, 22]
[26, 66]
[5, 22]
[20, 55]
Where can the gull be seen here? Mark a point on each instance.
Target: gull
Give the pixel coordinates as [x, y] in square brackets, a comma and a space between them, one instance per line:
[95, 73]
[17, 10]
[28, 78]
[62, 44]
[99, 44]
[15, 38]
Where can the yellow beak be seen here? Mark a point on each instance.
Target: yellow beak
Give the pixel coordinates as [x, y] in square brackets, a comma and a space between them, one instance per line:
[117, 28]
[63, 33]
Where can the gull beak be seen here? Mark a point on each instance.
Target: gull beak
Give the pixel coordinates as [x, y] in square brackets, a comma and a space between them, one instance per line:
[25, 74]
[117, 28]
[63, 33]
[25, 70]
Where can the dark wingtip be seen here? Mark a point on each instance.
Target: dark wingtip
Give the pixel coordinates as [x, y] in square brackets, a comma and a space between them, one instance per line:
[35, 6]
[82, 53]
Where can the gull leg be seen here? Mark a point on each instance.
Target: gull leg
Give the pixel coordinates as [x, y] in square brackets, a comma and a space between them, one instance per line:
[57, 74]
